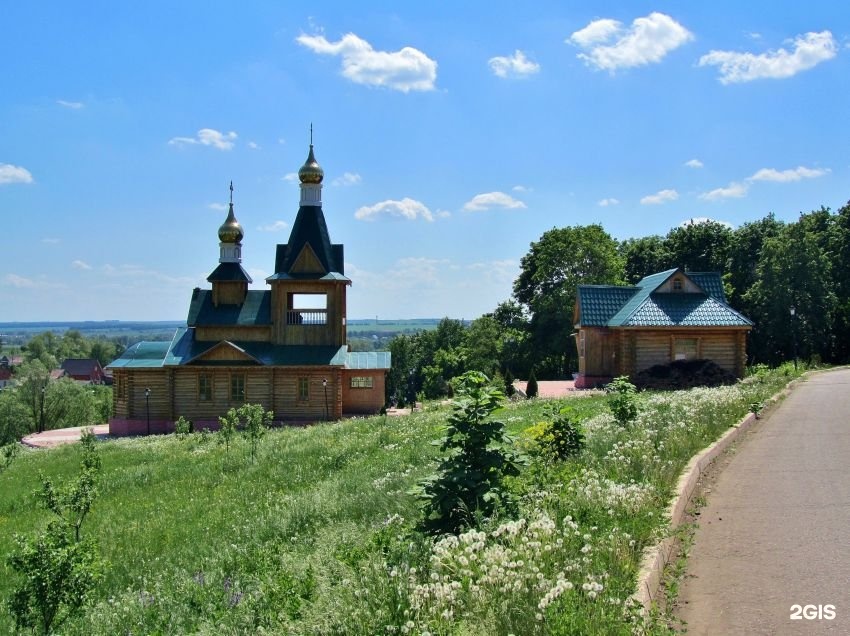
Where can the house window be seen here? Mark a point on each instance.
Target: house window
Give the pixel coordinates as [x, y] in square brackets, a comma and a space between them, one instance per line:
[204, 387]
[237, 387]
[303, 389]
[361, 382]
[677, 284]
[121, 387]
[685, 348]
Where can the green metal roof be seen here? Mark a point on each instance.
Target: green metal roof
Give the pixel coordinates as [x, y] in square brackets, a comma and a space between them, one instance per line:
[141, 355]
[329, 276]
[642, 306]
[256, 310]
[368, 360]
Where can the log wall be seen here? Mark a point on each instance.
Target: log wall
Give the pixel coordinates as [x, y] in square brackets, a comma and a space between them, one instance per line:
[360, 401]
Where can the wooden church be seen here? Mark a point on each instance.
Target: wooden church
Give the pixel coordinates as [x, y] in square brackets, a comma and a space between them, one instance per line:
[284, 347]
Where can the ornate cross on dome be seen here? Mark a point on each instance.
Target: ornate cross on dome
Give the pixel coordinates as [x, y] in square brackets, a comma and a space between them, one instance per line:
[231, 192]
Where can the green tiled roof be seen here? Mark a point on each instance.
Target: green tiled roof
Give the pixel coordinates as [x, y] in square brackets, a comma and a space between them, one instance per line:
[256, 310]
[641, 306]
[684, 310]
[710, 282]
[599, 303]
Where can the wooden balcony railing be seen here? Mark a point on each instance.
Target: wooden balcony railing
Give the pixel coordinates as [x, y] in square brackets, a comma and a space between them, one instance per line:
[307, 317]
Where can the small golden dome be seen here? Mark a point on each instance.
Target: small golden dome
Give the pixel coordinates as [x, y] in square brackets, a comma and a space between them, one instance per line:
[311, 171]
[230, 231]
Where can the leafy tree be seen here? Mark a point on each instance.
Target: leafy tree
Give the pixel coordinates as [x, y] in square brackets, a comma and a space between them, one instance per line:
[228, 424]
[793, 271]
[644, 256]
[15, 418]
[744, 254]
[476, 457]
[841, 279]
[484, 345]
[33, 378]
[548, 281]
[699, 246]
[510, 389]
[58, 570]
[257, 421]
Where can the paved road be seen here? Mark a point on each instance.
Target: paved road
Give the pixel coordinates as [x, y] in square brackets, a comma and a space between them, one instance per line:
[57, 436]
[776, 529]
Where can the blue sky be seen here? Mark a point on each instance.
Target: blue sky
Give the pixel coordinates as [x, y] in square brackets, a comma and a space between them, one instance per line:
[451, 136]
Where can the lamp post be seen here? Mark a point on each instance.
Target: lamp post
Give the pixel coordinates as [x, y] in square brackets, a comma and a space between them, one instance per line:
[411, 391]
[148, 407]
[793, 311]
[41, 417]
[325, 386]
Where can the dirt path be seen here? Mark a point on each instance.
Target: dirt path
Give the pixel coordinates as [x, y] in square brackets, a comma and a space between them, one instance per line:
[775, 532]
[48, 439]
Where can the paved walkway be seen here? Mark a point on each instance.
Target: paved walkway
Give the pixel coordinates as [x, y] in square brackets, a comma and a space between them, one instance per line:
[775, 532]
[549, 388]
[49, 439]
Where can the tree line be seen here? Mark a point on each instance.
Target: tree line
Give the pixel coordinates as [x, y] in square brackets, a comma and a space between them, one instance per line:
[769, 267]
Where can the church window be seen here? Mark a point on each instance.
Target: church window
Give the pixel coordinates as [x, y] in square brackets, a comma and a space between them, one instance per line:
[677, 284]
[205, 387]
[237, 387]
[303, 389]
[361, 382]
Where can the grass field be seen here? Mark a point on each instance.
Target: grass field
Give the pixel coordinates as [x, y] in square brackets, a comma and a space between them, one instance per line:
[317, 536]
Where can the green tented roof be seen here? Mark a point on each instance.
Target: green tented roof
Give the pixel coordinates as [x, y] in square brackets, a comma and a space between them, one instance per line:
[229, 272]
[256, 310]
[310, 227]
[642, 306]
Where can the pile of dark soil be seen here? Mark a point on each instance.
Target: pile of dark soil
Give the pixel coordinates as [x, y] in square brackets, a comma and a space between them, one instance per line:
[683, 374]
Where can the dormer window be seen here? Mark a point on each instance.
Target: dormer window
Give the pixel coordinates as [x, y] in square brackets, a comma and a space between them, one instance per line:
[677, 284]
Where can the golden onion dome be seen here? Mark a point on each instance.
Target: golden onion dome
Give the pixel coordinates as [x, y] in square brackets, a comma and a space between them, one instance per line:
[311, 171]
[230, 231]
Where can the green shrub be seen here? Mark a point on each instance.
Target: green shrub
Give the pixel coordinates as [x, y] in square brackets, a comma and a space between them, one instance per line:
[510, 390]
[559, 438]
[476, 456]
[183, 426]
[531, 387]
[622, 400]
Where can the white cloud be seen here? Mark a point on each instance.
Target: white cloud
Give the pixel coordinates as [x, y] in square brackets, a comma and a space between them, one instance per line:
[277, 226]
[405, 70]
[596, 32]
[71, 105]
[51, 241]
[218, 207]
[14, 174]
[809, 50]
[443, 214]
[517, 65]
[21, 282]
[207, 137]
[521, 188]
[694, 163]
[253, 145]
[785, 176]
[347, 179]
[610, 201]
[80, 265]
[292, 177]
[407, 208]
[611, 46]
[734, 190]
[490, 200]
[662, 196]
[699, 220]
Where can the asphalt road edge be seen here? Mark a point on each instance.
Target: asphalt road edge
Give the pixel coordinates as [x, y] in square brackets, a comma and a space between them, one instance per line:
[656, 558]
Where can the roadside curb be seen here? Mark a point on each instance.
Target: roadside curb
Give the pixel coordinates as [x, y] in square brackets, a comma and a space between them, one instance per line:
[656, 557]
